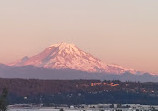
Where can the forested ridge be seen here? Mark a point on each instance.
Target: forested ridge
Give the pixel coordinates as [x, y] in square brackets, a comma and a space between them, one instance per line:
[79, 91]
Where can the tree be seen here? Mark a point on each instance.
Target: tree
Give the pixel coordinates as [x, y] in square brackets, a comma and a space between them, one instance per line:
[112, 106]
[3, 100]
[61, 109]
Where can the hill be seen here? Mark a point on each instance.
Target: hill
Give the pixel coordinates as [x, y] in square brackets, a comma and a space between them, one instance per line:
[79, 91]
[31, 72]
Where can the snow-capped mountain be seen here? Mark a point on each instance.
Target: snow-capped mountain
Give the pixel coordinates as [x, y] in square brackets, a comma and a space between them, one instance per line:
[68, 56]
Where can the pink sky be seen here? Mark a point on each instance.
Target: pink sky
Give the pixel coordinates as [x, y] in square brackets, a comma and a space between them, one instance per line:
[121, 32]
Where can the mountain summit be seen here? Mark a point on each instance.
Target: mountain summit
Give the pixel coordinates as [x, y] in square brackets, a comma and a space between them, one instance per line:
[68, 56]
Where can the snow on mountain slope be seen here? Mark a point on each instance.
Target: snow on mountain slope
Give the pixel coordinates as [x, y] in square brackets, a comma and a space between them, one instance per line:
[63, 55]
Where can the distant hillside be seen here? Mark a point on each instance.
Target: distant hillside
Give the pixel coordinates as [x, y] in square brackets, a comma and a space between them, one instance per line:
[31, 72]
[79, 91]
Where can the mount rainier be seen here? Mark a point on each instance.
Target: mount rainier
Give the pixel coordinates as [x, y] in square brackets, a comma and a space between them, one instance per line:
[69, 56]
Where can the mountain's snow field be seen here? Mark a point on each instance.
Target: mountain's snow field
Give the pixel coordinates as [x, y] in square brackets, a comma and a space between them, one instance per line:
[69, 56]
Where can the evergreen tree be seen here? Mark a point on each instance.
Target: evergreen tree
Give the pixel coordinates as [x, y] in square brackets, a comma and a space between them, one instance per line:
[61, 109]
[3, 100]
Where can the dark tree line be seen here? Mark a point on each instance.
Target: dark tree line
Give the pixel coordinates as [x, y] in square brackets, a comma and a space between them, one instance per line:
[77, 91]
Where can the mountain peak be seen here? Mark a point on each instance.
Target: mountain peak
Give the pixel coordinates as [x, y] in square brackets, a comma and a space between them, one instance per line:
[65, 48]
[63, 44]
[68, 56]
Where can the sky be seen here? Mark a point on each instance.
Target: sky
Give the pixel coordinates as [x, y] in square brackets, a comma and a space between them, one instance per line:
[123, 32]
